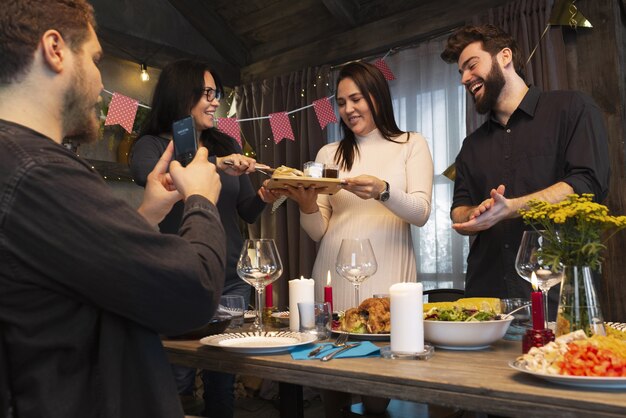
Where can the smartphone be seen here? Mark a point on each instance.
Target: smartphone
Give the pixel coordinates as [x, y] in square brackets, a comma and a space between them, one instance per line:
[185, 142]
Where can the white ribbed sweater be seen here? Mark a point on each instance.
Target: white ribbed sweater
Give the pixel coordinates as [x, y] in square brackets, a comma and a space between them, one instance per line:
[408, 169]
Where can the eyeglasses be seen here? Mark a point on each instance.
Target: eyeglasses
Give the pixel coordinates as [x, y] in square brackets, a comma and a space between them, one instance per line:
[212, 94]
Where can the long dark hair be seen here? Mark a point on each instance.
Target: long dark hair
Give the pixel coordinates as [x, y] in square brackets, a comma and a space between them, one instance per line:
[180, 87]
[375, 91]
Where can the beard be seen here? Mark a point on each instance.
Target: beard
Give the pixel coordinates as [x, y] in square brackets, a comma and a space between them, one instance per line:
[80, 113]
[492, 87]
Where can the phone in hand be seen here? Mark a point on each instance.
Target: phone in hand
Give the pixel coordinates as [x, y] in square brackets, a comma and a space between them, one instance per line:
[185, 142]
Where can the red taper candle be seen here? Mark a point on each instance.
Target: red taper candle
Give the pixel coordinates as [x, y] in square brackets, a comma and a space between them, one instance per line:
[537, 305]
[328, 292]
[269, 296]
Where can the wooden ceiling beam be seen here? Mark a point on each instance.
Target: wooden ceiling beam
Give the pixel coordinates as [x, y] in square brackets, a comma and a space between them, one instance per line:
[135, 48]
[344, 11]
[373, 38]
[206, 21]
[269, 15]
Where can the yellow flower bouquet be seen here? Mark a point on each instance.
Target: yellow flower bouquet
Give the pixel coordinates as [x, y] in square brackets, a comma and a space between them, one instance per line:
[574, 230]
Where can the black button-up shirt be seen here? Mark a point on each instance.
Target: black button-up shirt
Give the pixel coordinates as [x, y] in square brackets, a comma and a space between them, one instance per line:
[551, 137]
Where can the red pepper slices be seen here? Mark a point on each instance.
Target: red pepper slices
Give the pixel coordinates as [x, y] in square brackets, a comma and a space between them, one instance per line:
[599, 356]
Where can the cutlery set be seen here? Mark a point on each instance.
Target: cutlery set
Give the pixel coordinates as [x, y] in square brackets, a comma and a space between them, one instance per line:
[260, 168]
[340, 344]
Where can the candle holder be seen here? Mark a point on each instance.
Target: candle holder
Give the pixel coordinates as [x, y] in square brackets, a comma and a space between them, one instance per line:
[268, 317]
[536, 338]
[427, 354]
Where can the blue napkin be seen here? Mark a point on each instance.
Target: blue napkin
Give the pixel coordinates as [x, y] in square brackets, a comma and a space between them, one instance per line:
[366, 349]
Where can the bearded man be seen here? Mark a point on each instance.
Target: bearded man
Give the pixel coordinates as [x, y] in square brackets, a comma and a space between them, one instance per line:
[534, 145]
[87, 283]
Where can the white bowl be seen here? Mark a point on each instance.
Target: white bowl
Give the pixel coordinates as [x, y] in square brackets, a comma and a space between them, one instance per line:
[456, 335]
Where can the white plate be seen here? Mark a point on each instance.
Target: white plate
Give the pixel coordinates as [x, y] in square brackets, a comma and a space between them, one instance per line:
[282, 317]
[247, 315]
[371, 337]
[258, 342]
[579, 381]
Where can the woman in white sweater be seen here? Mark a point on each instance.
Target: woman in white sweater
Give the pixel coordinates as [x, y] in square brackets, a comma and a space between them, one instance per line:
[388, 177]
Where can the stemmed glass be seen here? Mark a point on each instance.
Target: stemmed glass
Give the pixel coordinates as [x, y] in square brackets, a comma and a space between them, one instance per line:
[356, 262]
[259, 265]
[528, 261]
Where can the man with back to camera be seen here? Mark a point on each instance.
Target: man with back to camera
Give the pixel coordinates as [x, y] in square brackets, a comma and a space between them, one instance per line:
[87, 284]
[534, 145]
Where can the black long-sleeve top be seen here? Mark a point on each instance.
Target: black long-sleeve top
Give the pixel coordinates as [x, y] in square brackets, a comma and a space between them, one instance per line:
[87, 286]
[237, 199]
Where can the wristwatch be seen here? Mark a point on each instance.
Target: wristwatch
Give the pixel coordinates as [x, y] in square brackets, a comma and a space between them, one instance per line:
[384, 195]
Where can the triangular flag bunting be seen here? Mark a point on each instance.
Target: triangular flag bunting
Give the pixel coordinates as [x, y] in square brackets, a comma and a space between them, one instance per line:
[122, 111]
[324, 112]
[384, 68]
[281, 127]
[230, 127]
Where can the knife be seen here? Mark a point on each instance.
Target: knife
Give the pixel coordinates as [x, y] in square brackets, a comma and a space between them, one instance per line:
[341, 350]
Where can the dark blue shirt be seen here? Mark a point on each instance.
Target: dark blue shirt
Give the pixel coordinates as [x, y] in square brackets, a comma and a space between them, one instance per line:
[87, 286]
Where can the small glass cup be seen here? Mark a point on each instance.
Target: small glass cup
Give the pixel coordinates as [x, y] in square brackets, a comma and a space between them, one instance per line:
[331, 171]
[521, 317]
[313, 169]
[315, 318]
[235, 306]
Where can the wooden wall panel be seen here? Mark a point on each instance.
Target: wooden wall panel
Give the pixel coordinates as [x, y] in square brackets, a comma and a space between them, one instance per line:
[596, 64]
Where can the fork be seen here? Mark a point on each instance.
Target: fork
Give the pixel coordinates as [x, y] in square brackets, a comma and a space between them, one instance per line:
[340, 342]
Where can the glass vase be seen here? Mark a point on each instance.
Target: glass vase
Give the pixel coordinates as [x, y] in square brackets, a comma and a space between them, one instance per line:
[579, 304]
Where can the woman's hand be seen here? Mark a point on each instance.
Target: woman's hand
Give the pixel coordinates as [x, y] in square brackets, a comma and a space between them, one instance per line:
[235, 164]
[364, 186]
[266, 194]
[305, 197]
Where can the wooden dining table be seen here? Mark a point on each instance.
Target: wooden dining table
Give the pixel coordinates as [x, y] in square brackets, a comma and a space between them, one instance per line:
[479, 380]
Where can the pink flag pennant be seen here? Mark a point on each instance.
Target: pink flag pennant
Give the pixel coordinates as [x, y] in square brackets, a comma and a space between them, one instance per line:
[281, 127]
[384, 68]
[122, 111]
[230, 127]
[324, 112]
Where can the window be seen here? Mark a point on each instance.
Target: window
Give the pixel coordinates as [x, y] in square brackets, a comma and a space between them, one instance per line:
[428, 98]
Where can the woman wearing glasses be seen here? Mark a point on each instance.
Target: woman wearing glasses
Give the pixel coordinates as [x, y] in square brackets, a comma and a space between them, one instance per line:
[186, 88]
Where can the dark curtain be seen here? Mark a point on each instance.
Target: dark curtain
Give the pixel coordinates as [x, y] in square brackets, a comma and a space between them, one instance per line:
[283, 94]
[526, 21]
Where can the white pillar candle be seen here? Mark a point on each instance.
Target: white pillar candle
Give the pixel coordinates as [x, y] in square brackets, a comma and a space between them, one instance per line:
[407, 318]
[300, 290]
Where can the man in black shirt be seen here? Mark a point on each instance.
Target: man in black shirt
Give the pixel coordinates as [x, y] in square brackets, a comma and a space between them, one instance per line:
[535, 145]
[87, 283]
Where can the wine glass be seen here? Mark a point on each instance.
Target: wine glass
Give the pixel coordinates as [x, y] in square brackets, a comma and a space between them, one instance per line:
[259, 265]
[528, 261]
[356, 262]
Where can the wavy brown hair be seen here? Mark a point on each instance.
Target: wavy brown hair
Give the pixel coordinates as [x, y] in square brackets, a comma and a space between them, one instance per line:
[180, 87]
[23, 23]
[374, 89]
[493, 40]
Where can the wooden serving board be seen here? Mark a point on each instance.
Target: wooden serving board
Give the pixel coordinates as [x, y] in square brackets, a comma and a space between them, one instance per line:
[326, 185]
